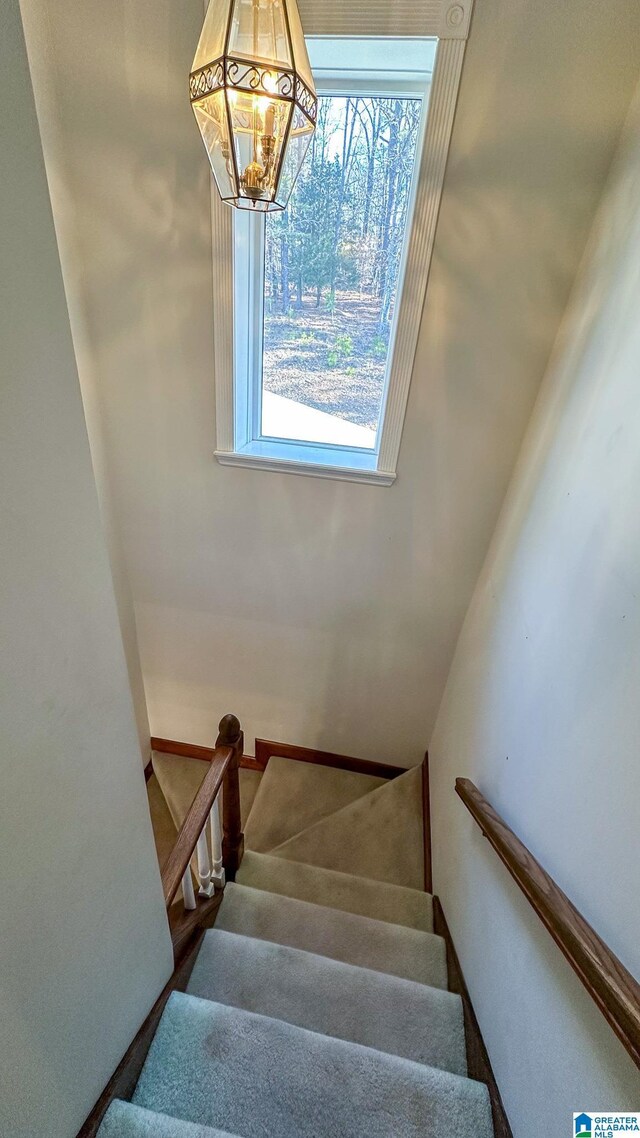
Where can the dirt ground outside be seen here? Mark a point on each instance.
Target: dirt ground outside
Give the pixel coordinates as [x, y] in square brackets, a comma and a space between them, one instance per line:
[333, 361]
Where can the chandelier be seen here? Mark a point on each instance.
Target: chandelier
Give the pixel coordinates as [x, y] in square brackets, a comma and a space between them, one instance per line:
[254, 99]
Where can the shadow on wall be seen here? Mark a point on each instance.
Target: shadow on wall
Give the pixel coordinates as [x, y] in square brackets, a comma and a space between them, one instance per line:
[322, 612]
[541, 707]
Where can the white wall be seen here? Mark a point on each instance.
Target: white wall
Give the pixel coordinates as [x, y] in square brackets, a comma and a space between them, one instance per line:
[84, 947]
[541, 709]
[73, 256]
[322, 613]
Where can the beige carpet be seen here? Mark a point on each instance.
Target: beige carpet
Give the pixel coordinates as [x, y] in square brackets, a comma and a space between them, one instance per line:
[171, 790]
[379, 836]
[164, 828]
[261, 1077]
[321, 978]
[294, 795]
[393, 903]
[394, 1015]
[179, 779]
[348, 937]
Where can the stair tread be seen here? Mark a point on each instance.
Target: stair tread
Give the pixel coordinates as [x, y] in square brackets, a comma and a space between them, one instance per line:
[180, 778]
[399, 1017]
[359, 895]
[125, 1120]
[352, 939]
[163, 825]
[379, 836]
[293, 795]
[260, 1077]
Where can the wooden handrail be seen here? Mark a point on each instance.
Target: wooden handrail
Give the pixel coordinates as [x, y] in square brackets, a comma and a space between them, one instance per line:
[223, 770]
[608, 982]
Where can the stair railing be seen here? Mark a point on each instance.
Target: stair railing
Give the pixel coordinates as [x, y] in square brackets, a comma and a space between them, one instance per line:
[218, 795]
[614, 990]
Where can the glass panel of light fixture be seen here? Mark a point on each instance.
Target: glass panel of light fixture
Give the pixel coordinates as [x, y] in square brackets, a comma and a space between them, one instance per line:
[299, 138]
[211, 43]
[299, 47]
[259, 32]
[211, 114]
[259, 127]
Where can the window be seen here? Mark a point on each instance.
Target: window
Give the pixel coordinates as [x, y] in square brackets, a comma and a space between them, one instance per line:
[327, 296]
[332, 263]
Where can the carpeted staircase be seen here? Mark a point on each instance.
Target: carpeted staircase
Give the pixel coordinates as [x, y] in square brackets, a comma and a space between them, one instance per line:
[318, 1004]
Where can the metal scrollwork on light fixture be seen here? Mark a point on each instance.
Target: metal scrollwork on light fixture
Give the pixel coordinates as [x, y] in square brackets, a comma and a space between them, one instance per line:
[254, 99]
[206, 80]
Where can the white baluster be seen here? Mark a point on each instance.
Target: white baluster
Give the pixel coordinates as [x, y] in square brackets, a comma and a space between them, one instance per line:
[187, 890]
[217, 874]
[207, 887]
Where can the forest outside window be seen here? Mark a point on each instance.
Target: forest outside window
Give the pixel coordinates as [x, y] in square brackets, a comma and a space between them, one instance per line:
[332, 263]
[323, 348]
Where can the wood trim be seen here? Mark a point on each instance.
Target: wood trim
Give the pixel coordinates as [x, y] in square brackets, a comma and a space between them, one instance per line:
[612, 988]
[148, 771]
[426, 822]
[186, 923]
[223, 770]
[187, 750]
[232, 835]
[194, 751]
[187, 932]
[265, 748]
[248, 763]
[123, 1081]
[478, 1063]
[194, 823]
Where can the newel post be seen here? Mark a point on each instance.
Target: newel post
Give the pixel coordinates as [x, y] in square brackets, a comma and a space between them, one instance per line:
[233, 839]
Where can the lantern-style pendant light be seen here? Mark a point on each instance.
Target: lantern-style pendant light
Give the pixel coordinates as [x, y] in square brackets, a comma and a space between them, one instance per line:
[254, 99]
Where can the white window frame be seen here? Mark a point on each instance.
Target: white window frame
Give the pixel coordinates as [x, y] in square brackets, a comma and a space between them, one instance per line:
[237, 399]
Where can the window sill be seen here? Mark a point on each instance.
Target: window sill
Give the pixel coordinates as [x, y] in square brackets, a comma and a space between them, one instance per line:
[343, 465]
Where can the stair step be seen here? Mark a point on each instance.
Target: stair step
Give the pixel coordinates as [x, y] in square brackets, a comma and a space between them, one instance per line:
[293, 795]
[180, 779]
[124, 1120]
[396, 1016]
[360, 895]
[379, 836]
[263, 1078]
[164, 827]
[383, 947]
